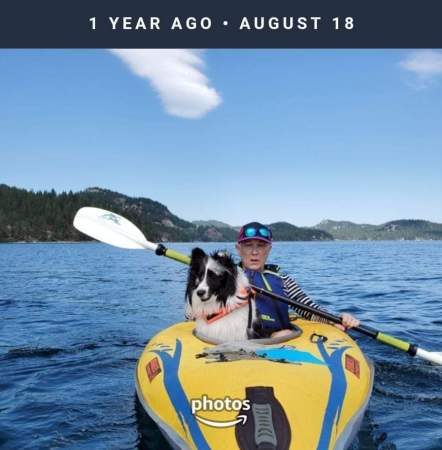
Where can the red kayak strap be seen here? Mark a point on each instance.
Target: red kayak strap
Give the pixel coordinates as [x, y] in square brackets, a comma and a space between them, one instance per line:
[244, 295]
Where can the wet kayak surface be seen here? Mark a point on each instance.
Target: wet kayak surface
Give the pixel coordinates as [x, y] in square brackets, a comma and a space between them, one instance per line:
[76, 318]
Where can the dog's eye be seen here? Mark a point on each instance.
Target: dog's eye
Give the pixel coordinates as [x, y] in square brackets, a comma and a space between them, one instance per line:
[212, 275]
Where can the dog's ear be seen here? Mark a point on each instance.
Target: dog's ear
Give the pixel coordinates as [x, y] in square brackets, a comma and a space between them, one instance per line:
[196, 263]
[197, 257]
[197, 254]
[225, 259]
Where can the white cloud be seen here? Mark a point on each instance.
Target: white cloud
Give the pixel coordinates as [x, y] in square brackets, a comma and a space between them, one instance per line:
[177, 77]
[425, 64]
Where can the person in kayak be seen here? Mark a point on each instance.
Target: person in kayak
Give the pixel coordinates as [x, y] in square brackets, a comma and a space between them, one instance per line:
[253, 245]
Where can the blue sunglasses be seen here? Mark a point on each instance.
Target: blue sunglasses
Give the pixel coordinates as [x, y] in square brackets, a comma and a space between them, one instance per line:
[254, 232]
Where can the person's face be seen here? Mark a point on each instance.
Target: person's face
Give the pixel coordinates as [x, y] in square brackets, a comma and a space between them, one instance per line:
[253, 253]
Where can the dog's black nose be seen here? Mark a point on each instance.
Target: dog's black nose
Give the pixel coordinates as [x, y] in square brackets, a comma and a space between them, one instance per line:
[200, 292]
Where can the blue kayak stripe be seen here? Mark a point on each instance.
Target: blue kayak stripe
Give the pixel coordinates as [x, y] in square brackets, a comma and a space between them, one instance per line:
[338, 389]
[178, 397]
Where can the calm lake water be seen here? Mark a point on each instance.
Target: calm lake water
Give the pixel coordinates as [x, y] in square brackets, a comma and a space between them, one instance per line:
[75, 318]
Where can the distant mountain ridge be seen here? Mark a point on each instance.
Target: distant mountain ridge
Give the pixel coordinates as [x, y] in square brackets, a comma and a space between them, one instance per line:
[47, 216]
[284, 231]
[406, 229]
[211, 223]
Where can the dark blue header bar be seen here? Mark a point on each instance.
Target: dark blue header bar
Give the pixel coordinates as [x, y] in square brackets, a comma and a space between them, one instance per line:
[220, 24]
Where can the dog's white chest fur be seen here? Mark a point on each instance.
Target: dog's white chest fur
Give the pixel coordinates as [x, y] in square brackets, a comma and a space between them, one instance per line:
[232, 327]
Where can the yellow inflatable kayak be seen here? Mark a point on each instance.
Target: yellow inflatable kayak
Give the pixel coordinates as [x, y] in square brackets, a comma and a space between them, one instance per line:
[309, 392]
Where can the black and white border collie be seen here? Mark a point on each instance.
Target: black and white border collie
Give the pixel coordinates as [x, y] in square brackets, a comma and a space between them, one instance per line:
[217, 297]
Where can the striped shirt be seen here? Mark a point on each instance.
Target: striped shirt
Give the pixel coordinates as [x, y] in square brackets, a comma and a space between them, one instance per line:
[294, 292]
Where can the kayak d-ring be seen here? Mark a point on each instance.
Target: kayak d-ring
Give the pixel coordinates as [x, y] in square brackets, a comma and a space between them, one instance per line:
[314, 338]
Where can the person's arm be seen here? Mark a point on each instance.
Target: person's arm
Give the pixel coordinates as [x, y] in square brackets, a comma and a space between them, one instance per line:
[294, 292]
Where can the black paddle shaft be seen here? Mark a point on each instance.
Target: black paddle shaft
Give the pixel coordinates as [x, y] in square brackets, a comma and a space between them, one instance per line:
[318, 312]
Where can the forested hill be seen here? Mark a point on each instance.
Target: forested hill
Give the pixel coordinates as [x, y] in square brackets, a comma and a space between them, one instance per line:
[394, 230]
[47, 216]
[284, 231]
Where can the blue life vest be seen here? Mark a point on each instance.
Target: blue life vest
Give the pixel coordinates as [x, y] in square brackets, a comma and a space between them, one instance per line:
[273, 314]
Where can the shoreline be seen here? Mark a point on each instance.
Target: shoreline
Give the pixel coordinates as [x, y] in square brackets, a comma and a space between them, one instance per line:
[230, 242]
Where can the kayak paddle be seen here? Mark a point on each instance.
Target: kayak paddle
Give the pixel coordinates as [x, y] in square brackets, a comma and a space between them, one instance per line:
[113, 229]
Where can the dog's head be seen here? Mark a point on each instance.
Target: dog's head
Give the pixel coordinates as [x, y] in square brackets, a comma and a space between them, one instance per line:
[212, 280]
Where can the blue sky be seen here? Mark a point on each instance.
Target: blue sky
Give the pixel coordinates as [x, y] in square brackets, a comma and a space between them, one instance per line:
[233, 135]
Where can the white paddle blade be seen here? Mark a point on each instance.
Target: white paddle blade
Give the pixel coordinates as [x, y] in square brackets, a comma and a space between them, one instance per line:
[433, 357]
[111, 228]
